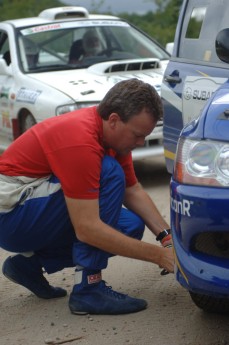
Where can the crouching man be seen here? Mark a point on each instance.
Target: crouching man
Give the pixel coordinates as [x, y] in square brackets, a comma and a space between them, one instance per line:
[69, 197]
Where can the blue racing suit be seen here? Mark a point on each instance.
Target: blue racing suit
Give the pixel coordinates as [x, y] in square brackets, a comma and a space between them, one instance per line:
[40, 222]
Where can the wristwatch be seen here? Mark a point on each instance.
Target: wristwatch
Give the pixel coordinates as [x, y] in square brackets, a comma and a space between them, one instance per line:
[163, 234]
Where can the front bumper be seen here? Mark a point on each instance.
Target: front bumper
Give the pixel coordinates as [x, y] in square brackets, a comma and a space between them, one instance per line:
[200, 230]
[153, 145]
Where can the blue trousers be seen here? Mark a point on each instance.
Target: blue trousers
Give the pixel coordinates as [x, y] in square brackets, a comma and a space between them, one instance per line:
[42, 225]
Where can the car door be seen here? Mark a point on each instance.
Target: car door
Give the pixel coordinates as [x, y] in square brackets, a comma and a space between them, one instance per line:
[194, 71]
[6, 83]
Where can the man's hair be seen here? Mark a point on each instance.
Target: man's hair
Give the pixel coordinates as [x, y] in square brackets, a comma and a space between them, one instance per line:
[128, 98]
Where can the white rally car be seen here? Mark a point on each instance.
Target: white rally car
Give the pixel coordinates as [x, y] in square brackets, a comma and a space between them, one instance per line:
[45, 71]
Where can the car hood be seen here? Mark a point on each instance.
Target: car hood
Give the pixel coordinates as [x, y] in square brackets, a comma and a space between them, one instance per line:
[91, 84]
[213, 122]
[216, 116]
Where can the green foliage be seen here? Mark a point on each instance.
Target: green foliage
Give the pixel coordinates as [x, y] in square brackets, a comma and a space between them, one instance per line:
[95, 5]
[160, 25]
[24, 8]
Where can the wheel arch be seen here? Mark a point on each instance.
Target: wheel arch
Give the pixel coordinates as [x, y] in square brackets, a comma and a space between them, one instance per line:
[18, 122]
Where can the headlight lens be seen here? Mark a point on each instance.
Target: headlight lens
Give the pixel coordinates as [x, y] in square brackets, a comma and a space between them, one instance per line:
[202, 162]
[66, 108]
[222, 163]
[201, 159]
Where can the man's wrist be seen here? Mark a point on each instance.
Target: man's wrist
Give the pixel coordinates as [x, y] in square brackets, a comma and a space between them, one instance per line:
[163, 234]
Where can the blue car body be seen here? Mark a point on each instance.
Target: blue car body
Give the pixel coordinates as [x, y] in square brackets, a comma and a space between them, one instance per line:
[203, 210]
[194, 71]
[195, 94]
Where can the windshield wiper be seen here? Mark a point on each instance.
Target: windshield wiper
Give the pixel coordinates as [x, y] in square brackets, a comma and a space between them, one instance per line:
[51, 68]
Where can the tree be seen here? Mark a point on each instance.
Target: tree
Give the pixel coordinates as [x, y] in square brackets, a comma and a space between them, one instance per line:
[24, 8]
[160, 24]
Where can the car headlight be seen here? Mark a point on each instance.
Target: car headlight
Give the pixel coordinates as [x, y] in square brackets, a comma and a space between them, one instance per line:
[66, 108]
[203, 162]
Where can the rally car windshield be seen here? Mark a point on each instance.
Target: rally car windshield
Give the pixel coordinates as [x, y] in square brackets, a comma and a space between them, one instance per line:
[72, 45]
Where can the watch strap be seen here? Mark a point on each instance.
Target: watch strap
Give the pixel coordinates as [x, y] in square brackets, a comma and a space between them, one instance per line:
[163, 234]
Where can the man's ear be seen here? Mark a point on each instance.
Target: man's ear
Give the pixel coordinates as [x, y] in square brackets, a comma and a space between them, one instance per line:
[113, 120]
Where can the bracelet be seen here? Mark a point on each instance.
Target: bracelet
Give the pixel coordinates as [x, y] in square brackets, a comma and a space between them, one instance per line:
[165, 239]
[163, 234]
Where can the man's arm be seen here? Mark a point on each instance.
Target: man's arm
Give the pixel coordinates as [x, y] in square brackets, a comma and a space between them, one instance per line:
[90, 229]
[137, 200]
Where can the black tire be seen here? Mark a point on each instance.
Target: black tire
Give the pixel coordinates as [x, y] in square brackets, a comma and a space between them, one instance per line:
[27, 121]
[211, 304]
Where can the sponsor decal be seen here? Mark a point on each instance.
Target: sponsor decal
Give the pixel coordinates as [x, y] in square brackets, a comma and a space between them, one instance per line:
[188, 93]
[27, 95]
[41, 28]
[181, 207]
[197, 91]
[72, 24]
[4, 93]
[94, 278]
[200, 95]
[6, 119]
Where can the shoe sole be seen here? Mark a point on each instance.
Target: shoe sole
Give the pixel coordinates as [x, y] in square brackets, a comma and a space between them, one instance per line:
[79, 312]
[19, 283]
[76, 312]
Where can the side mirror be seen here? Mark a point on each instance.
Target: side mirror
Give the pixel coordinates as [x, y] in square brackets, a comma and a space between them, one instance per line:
[169, 47]
[222, 45]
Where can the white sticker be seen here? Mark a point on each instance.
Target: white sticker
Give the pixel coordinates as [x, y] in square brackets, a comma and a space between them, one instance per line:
[27, 95]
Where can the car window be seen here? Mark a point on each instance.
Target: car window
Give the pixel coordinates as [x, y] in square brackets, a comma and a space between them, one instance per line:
[195, 22]
[63, 45]
[199, 30]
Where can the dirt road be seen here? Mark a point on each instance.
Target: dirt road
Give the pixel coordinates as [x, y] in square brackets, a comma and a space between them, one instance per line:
[170, 319]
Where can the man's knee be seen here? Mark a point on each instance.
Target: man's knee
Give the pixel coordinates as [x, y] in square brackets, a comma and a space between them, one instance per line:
[139, 227]
[111, 169]
[131, 224]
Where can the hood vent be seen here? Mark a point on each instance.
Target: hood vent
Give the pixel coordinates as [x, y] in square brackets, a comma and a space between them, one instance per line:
[66, 12]
[133, 66]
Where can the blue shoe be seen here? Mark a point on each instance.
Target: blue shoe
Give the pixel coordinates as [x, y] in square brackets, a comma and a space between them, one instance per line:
[27, 271]
[101, 299]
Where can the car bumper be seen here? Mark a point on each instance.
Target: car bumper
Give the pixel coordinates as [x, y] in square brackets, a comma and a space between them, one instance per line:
[148, 152]
[200, 230]
[153, 145]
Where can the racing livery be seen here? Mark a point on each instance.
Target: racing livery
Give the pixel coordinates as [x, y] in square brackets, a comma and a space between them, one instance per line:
[194, 71]
[197, 100]
[45, 71]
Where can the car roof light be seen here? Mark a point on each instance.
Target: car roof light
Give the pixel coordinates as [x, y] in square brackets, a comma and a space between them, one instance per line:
[64, 13]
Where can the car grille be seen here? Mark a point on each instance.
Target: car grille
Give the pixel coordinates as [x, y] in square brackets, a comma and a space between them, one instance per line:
[212, 243]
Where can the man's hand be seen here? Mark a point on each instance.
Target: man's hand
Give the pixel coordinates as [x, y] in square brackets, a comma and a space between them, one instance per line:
[90, 229]
[167, 260]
